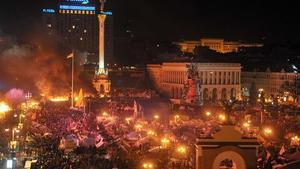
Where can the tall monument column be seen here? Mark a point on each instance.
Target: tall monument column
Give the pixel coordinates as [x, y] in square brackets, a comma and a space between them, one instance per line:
[101, 81]
[101, 18]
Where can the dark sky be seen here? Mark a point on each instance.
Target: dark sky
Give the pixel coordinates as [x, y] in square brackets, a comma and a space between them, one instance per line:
[182, 19]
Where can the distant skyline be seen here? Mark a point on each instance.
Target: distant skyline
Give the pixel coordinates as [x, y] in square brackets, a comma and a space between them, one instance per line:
[186, 19]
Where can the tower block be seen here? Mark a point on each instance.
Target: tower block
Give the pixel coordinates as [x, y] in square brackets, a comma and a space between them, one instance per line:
[101, 81]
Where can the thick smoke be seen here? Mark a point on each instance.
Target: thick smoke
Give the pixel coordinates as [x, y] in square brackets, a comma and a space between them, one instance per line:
[37, 68]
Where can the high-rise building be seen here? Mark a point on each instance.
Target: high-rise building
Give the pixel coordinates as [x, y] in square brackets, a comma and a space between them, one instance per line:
[75, 22]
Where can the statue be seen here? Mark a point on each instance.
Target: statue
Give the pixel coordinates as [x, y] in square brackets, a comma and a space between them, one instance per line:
[192, 87]
[102, 2]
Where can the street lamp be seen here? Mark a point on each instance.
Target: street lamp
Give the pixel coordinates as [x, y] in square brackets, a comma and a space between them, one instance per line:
[295, 141]
[176, 117]
[156, 117]
[4, 108]
[181, 150]
[268, 131]
[208, 114]
[165, 142]
[222, 117]
[148, 165]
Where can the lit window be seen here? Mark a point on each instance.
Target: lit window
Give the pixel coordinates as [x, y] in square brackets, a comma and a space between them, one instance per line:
[49, 25]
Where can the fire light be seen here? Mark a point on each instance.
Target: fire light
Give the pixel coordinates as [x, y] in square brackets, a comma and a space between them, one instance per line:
[4, 108]
[222, 117]
[59, 99]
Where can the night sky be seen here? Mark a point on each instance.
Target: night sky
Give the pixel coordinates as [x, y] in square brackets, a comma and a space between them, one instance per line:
[181, 19]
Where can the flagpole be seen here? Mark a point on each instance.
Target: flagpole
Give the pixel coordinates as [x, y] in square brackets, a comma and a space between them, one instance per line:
[72, 94]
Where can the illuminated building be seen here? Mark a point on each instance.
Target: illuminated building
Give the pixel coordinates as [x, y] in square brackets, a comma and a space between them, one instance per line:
[218, 81]
[218, 45]
[269, 80]
[75, 22]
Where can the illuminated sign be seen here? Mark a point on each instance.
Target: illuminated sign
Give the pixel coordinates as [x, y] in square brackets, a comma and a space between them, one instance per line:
[106, 13]
[83, 2]
[71, 7]
[48, 10]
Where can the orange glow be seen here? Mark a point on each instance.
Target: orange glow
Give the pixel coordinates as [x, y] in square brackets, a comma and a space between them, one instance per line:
[59, 99]
[4, 108]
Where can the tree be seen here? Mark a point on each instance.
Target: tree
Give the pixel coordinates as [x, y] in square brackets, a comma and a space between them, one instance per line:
[228, 107]
[289, 89]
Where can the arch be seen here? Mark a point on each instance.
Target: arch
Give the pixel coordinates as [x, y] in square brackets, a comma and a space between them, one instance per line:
[234, 156]
[233, 93]
[205, 94]
[101, 88]
[214, 96]
[224, 94]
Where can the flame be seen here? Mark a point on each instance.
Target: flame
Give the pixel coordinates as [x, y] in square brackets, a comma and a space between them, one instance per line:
[4, 107]
[59, 99]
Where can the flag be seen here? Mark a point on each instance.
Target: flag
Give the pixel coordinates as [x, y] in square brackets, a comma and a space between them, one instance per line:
[80, 99]
[268, 155]
[70, 55]
[282, 150]
[135, 107]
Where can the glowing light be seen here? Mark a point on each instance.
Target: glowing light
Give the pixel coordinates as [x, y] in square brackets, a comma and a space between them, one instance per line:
[105, 114]
[85, 8]
[59, 99]
[138, 127]
[222, 117]
[181, 149]
[4, 108]
[246, 125]
[295, 141]
[208, 113]
[268, 131]
[165, 142]
[128, 119]
[147, 165]
[151, 133]
[48, 10]
[6, 130]
[107, 13]
[156, 117]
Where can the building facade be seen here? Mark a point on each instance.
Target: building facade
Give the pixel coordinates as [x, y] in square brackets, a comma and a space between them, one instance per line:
[271, 83]
[218, 45]
[75, 22]
[218, 81]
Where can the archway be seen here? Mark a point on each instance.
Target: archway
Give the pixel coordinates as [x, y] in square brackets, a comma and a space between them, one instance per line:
[102, 88]
[224, 94]
[214, 95]
[233, 93]
[227, 164]
[205, 94]
[237, 160]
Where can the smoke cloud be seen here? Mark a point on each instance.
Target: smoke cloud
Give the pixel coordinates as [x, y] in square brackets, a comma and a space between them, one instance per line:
[39, 68]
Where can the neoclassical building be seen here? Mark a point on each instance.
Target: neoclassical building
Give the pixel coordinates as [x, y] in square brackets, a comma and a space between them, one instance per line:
[217, 80]
[218, 45]
[269, 81]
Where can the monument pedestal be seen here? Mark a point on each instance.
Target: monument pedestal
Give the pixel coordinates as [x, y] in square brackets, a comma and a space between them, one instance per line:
[102, 84]
[227, 144]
